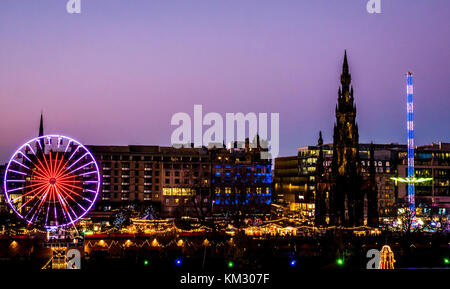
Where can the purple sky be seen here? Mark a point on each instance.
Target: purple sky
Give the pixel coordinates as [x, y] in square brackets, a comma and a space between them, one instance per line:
[118, 72]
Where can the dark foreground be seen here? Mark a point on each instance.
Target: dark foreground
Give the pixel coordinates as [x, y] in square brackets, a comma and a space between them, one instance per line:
[221, 253]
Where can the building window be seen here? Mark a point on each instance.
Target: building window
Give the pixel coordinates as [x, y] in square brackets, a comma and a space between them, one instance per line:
[178, 192]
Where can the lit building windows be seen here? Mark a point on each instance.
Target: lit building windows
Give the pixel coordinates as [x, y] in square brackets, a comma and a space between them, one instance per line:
[178, 192]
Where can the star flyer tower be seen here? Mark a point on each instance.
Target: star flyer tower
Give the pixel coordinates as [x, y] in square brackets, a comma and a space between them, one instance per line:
[410, 153]
[411, 179]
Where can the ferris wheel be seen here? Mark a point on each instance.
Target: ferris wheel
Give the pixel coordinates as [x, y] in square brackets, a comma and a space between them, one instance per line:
[51, 181]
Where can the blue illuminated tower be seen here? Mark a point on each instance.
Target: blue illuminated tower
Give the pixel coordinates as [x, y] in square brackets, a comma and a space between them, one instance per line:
[410, 127]
[411, 179]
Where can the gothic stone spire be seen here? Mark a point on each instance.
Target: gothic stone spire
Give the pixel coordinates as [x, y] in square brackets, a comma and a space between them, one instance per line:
[345, 165]
[41, 126]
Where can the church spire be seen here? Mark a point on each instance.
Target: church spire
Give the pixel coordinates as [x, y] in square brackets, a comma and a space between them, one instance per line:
[41, 126]
[319, 165]
[345, 64]
[346, 77]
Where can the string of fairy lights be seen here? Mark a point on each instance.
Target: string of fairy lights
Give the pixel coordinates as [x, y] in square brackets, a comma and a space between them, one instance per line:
[108, 244]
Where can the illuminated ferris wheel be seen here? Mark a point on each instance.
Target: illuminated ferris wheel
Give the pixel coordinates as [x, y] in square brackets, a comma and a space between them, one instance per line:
[51, 181]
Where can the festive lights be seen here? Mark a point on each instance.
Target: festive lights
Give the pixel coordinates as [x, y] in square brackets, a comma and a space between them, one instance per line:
[13, 244]
[410, 153]
[411, 180]
[51, 181]
[386, 258]
[155, 243]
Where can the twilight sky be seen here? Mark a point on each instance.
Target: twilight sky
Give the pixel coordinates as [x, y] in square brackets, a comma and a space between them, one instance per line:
[116, 73]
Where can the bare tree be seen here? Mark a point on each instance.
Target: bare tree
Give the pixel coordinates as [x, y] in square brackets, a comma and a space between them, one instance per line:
[197, 202]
